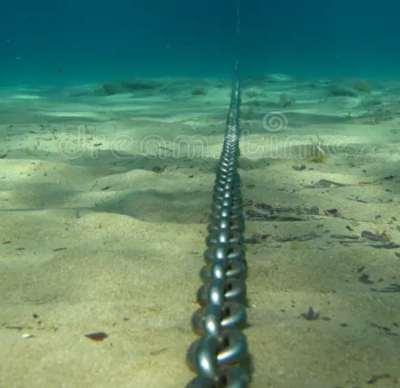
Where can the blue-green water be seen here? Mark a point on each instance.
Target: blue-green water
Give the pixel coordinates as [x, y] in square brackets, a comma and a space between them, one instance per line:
[63, 43]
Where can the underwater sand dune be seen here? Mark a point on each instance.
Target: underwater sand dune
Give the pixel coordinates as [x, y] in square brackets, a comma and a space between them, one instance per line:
[104, 203]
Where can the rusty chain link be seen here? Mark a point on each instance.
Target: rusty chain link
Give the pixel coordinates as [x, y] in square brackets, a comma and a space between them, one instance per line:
[220, 356]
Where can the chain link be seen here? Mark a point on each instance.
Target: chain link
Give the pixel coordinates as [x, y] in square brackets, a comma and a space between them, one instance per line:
[220, 356]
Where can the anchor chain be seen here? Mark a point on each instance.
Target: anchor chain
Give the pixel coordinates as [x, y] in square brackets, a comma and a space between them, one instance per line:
[220, 357]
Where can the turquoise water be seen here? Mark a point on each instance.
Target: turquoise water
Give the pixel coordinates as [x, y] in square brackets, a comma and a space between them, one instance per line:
[66, 43]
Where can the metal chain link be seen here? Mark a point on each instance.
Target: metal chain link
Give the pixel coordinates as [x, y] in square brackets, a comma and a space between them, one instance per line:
[220, 357]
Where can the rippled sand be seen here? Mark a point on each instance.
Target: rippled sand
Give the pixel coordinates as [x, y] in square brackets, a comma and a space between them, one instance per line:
[104, 205]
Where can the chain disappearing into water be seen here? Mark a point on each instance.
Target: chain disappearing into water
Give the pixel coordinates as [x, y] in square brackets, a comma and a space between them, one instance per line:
[220, 357]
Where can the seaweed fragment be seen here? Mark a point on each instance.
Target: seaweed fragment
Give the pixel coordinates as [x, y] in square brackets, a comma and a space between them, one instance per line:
[310, 315]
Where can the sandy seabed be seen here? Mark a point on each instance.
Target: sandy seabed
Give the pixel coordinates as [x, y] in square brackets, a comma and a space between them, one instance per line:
[104, 202]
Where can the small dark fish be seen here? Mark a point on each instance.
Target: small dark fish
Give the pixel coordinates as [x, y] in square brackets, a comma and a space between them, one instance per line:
[97, 336]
